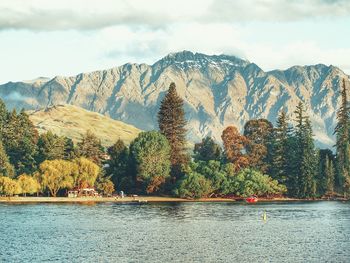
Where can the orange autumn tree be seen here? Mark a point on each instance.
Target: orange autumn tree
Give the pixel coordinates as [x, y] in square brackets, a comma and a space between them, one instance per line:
[234, 144]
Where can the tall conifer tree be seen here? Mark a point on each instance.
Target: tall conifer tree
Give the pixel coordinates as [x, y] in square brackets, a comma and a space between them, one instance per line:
[342, 140]
[172, 124]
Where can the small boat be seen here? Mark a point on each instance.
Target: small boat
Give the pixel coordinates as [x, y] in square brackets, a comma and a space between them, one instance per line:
[251, 199]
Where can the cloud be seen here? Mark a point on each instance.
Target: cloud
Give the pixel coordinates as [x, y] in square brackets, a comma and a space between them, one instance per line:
[96, 14]
[14, 96]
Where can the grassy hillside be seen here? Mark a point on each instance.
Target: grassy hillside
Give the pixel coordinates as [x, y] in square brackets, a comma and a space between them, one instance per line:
[73, 122]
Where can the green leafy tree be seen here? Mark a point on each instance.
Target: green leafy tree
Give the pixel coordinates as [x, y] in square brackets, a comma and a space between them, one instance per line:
[90, 147]
[193, 185]
[172, 124]
[150, 155]
[207, 150]
[69, 149]
[251, 182]
[118, 165]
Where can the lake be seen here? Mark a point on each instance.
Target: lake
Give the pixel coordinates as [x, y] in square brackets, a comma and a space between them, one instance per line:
[175, 232]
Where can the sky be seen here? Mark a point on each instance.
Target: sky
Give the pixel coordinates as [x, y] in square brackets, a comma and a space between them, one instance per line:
[45, 38]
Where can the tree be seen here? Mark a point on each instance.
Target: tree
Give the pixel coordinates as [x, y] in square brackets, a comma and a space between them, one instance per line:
[50, 147]
[3, 117]
[85, 172]
[118, 164]
[105, 186]
[172, 124]
[342, 131]
[56, 174]
[234, 144]
[6, 169]
[20, 140]
[213, 171]
[90, 147]
[281, 148]
[193, 185]
[302, 182]
[69, 149]
[325, 178]
[9, 187]
[259, 135]
[251, 182]
[150, 154]
[28, 184]
[207, 150]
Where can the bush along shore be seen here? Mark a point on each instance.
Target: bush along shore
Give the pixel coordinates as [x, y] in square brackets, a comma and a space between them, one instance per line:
[273, 163]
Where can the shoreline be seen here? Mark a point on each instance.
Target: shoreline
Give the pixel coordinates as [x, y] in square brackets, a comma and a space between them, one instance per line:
[143, 199]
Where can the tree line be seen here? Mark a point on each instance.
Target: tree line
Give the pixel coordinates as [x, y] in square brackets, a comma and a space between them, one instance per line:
[264, 160]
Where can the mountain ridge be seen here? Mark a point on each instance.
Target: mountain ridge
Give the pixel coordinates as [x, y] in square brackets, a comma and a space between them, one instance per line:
[218, 90]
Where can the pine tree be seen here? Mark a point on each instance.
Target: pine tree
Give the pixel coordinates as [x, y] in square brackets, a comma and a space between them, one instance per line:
[172, 124]
[6, 169]
[50, 147]
[342, 131]
[308, 162]
[3, 117]
[91, 148]
[207, 150]
[280, 158]
[20, 140]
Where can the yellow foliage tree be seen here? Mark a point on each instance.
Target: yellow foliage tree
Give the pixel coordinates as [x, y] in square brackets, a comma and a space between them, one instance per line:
[29, 184]
[9, 187]
[56, 174]
[85, 172]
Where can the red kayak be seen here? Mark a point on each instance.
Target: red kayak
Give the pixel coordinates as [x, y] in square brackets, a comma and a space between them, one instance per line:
[251, 199]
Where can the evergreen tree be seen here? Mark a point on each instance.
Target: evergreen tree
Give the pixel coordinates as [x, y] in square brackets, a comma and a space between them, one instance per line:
[6, 169]
[3, 117]
[20, 140]
[308, 163]
[281, 143]
[342, 131]
[325, 178]
[172, 124]
[50, 147]
[207, 150]
[90, 147]
[69, 149]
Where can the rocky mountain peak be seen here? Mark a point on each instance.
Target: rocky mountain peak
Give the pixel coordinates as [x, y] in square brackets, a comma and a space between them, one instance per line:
[218, 90]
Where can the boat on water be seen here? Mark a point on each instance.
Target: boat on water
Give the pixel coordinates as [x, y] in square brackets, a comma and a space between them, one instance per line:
[251, 199]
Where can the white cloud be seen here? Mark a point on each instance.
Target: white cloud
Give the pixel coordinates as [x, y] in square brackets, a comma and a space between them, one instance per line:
[95, 14]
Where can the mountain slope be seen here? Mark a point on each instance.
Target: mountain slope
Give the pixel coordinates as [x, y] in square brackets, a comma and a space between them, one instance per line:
[218, 91]
[73, 122]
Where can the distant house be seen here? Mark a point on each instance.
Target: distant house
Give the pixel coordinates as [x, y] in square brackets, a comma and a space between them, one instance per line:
[82, 192]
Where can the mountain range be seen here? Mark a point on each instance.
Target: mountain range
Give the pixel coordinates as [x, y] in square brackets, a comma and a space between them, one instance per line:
[218, 90]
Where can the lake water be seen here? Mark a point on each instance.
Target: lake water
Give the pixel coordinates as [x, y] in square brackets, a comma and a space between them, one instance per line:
[175, 232]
